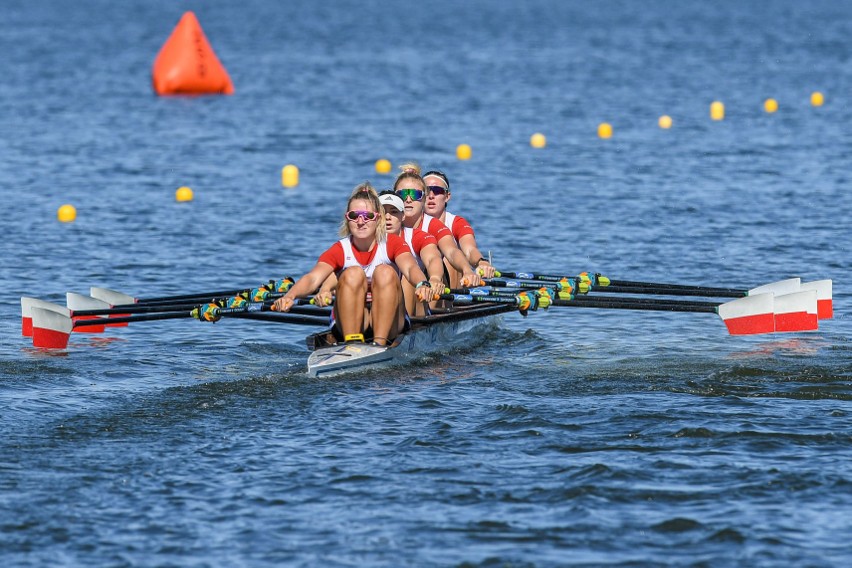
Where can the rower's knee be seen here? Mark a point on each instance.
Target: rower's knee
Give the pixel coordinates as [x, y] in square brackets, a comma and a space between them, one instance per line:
[383, 276]
[352, 277]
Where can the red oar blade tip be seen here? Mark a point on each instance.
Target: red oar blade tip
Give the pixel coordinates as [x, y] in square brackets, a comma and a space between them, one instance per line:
[787, 286]
[79, 302]
[27, 304]
[111, 297]
[825, 306]
[51, 329]
[796, 312]
[749, 315]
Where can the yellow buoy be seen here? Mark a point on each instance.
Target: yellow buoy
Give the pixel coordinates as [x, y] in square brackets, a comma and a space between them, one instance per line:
[66, 213]
[290, 176]
[665, 122]
[717, 110]
[538, 140]
[817, 99]
[383, 166]
[183, 194]
[463, 152]
[604, 130]
[770, 105]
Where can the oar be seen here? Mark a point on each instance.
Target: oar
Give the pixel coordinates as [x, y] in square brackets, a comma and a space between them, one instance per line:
[585, 283]
[120, 298]
[598, 282]
[52, 329]
[761, 313]
[84, 307]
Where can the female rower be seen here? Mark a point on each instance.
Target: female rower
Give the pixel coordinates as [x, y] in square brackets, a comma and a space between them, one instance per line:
[437, 197]
[424, 247]
[409, 186]
[366, 259]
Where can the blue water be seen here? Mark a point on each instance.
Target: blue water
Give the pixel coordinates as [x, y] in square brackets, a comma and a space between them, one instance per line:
[582, 437]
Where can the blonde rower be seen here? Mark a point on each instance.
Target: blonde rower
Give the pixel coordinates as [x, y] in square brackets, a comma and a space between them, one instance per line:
[366, 259]
[423, 246]
[409, 186]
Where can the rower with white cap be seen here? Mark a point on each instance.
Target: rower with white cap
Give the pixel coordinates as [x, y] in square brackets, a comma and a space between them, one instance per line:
[422, 244]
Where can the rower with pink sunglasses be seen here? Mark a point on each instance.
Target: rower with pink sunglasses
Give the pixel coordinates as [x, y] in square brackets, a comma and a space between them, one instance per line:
[437, 197]
[365, 260]
[411, 188]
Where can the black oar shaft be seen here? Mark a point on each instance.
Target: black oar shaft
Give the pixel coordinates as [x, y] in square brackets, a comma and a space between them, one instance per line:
[143, 309]
[684, 288]
[277, 317]
[132, 318]
[209, 296]
[266, 316]
[620, 304]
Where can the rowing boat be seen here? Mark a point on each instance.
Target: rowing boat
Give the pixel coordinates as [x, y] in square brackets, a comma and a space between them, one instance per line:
[428, 334]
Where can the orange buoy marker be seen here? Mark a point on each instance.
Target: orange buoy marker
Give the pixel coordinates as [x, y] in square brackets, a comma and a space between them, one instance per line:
[187, 65]
[383, 166]
[538, 140]
[817, 99]
[290, 176]
[66, 214]
[183, 194]
[463, 152]
[717, 110]
[604, 130]
[665, 122]
[770, 105]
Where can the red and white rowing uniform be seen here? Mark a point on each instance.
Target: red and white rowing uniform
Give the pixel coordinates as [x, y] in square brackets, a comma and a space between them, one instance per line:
[418, 239]
[343, 255]
[434, 227]
[457, 225]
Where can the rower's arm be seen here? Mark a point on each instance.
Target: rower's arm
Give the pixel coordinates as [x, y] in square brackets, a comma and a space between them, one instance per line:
[411, 270]
[467, 244]
[303, 286]
[431, 257]
[325, 295]
[456, 258]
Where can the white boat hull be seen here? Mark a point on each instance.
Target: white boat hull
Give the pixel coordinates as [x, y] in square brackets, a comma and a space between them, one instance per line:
[427, 335]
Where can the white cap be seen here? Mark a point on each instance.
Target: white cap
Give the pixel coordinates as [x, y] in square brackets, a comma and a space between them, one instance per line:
[392, 199]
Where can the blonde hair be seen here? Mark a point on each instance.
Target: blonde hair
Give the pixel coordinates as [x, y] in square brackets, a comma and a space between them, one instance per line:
[368, 193]
[410, 170]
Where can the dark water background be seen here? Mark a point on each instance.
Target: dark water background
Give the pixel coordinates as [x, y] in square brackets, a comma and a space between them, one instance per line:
[564, 438]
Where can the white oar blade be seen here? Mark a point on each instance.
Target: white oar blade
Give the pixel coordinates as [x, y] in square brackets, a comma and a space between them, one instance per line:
[51, 329]
[77, 302]
[778, 288]
[111, 296]
[825, 306]
[750, 315]
[27, 304]
[796, 312]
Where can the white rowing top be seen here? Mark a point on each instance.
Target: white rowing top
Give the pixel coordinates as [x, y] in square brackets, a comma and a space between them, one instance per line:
[381, 257]
[408, 234]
